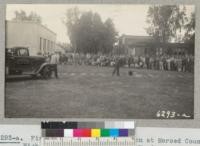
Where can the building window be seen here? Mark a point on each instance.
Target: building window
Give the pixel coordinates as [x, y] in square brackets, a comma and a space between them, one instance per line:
[46, 50]
[44, 46]
[51, 46]
[47, 46]
[40, 45]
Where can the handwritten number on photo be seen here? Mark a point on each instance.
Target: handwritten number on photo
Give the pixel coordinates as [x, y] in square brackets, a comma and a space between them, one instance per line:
[170, 114]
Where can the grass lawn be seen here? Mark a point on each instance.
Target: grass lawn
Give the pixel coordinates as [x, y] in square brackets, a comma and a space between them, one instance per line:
[92, 92]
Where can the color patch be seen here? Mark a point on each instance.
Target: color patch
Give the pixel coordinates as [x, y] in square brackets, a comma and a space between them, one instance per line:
[131, 132]
[54, 132]
[105, 132]
[86, 132]
[123, 132]
[77, 133]
[95, 133]
[114, 132]
[129, 125]
[68, 133]
[43, 133]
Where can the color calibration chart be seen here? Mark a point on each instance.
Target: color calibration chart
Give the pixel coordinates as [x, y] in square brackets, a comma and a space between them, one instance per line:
[107, 133]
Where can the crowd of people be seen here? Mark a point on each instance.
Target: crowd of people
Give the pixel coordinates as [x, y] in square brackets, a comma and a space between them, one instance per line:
[180, 63]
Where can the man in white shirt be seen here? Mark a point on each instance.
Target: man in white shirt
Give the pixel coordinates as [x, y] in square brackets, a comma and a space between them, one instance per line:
[54, 61]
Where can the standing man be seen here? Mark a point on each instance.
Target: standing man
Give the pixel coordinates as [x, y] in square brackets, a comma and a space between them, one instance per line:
[116, 66]
[129, 61]
[147, 61]
[54, 61]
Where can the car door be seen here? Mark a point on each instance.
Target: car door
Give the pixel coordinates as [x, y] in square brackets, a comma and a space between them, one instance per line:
[20, 62]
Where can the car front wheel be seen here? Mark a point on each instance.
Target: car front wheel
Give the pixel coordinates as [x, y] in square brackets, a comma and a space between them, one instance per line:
[46, 72]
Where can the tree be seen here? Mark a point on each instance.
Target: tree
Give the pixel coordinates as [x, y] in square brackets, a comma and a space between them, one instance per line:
[86, 38]
[22, 16]
[88, 33]
[110, 35]
[189, 37]
[165, 21]
[71, 22]
[190, 28]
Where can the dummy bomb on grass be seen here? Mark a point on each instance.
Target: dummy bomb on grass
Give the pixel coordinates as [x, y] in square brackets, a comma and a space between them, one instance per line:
[130, 73]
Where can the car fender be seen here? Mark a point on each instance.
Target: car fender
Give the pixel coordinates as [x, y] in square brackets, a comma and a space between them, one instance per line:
[42, 66]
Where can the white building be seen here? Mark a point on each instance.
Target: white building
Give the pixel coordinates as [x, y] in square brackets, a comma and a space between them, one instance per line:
[38, 38]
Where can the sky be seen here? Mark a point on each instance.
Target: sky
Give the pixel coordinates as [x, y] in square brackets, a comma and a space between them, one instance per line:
[128, 19]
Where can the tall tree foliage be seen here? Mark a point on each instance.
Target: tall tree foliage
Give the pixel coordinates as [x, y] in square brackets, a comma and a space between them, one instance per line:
[88, 33]
[190, 28]
[22, 16]
[71, 21]
[190, 33]
[165, 21]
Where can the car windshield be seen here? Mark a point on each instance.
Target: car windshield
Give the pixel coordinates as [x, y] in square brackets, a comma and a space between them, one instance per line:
[23, 52]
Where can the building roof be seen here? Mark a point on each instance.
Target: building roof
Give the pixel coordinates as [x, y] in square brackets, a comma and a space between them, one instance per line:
[131, 40]
[149, 41]
[31, 22]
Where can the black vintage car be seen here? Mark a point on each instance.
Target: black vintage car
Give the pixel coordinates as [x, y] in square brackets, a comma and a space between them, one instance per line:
[20, 63]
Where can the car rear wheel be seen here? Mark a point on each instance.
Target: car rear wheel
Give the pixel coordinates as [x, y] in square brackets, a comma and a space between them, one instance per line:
[46, 72]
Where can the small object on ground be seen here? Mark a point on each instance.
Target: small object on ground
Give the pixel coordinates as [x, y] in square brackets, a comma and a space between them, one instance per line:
[130, 73]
